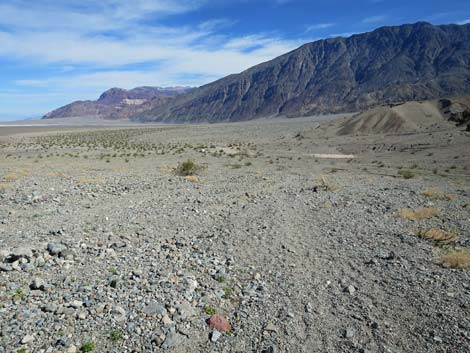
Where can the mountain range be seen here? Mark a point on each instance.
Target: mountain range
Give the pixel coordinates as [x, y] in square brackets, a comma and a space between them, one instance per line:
[118, 103]
[395, 64]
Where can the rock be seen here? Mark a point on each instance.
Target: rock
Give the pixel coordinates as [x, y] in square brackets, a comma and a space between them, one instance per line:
[71, 349]
[6, 268]
[349, 332]
[219, 323]
[38, 284]
[55, 248]
[82, 315]
[167, 321]
[172, 339]
[114, 282]
[119, 311]
[270, 327]
[19, 253]
[155, 308]
[350, 289]
[215, 336]
[270, 349]
[76, 304]
[27, 339]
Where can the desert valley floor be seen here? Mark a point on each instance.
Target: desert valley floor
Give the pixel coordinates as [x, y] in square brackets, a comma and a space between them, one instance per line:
[304, 240]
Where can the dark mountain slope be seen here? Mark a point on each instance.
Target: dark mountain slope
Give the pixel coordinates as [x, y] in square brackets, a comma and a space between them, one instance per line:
[391, 64]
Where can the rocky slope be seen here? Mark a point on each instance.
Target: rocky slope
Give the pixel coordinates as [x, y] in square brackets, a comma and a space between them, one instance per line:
[409, 117]
[118, 103]
[391, 64]
[106, 250]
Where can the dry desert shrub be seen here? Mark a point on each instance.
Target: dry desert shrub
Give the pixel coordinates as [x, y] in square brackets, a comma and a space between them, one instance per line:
[192, 179]
[456, 259]
[437, 235]
[326, 184]
[13, 176]
[436, 194]
[418, 214]
[90, 181]
[4, 186]
[57, 175]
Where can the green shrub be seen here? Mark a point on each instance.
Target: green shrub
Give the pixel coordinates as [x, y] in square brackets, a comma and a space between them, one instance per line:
[187, 168]
[88, 347]
[406, 174]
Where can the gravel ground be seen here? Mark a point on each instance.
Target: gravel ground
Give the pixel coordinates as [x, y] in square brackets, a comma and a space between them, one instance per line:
[268, 249]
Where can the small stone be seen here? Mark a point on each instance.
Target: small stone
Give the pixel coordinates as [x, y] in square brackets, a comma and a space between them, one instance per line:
[38, 284]
[71, 349]
[172, 339]
[167, 321]
[27, 339]
[270, 349]
[437, 339]
[76, 304]
[55, 248]
[155, 308]
[6, 268]
[219, 323]
[114, 282]
[20, 253]
[257, 276]
[270, 327]
[349, 332]
[119, 311]
[82, 315]
[350, 289]
[215, 336]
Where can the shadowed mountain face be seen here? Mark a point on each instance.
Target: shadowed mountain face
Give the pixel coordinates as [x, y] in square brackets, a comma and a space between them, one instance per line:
[118, 103]
[391, 64]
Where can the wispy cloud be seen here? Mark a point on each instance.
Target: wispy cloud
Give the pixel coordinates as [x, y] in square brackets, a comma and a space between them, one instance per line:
[319, 26]
[464, 22]
[124, 44]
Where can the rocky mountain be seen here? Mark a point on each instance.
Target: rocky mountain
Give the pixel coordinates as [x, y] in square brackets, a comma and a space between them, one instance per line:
[118, 103]
[391, 64]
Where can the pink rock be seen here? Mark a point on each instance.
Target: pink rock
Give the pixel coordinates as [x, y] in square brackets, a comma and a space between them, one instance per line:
[219, 323]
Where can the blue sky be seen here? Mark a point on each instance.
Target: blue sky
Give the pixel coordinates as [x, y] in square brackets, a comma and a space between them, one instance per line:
[54, 52]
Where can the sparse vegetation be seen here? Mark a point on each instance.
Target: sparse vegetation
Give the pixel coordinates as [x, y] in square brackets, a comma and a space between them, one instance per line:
[210, 310]
[418, 214]
[88, 346]
[115, 335]
[407, 174]
[437, 235]
[326, 184]
[187, 168]
[436, 194]
[456, 259]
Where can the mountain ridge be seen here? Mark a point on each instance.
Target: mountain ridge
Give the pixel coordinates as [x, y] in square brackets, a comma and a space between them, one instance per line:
[118, 103]
[391, 64]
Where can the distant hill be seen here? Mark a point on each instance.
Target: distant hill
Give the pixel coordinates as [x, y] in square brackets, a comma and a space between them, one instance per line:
[118, 103]
[391, 64]
[409, 117]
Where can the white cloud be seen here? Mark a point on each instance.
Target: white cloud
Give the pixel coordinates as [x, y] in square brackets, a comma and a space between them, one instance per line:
[88, 47]
[105, 36]
[319, 26]
[464, 22]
